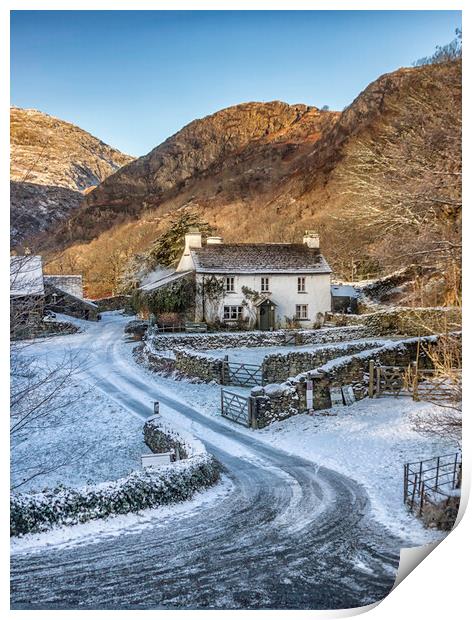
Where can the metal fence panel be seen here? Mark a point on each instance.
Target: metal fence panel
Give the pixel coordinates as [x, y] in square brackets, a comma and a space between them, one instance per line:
[235, 407]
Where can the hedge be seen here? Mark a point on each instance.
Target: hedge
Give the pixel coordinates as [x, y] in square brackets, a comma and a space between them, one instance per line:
[139, 490]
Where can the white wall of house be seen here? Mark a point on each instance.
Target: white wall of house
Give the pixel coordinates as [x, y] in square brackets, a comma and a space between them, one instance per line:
[316, 297]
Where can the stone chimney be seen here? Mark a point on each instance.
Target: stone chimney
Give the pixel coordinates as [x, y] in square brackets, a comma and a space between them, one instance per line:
[311, 239]
[214, 240]
[193, 239]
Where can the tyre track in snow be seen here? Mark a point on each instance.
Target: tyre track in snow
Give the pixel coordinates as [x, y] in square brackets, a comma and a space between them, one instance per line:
[288, 535]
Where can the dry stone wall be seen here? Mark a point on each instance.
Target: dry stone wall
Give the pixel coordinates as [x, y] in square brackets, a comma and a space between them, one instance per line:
[223, 340]
[141, 489]
[279, 401]
[414, 321]
[278, 367]
[203, 367]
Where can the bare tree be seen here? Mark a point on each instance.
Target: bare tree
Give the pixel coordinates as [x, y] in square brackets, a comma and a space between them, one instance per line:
[401, 190]
[42, 391]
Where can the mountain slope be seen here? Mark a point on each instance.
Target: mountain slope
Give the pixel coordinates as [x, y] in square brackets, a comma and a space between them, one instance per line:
[52, 163]
[266, 171]
[235, 151]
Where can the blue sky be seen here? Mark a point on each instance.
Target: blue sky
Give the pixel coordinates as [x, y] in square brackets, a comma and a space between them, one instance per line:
[133, 78]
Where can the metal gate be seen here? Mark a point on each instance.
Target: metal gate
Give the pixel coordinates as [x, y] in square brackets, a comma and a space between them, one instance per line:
[245, 375]
[236, 407]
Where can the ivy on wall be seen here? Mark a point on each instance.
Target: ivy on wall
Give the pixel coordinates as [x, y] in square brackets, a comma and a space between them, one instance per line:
[178, 296]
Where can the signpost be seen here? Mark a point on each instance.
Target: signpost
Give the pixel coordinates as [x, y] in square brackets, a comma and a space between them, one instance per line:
[348, 395]
[156, 460]
[336, 396]
[309, 394]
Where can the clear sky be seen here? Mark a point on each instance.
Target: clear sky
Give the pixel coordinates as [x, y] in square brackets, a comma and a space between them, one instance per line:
[133, 78]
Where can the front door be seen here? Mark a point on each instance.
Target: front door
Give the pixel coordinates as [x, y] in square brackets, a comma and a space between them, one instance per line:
[266, 316]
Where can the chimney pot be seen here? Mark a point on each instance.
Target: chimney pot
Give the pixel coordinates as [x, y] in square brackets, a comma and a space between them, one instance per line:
[214, 240]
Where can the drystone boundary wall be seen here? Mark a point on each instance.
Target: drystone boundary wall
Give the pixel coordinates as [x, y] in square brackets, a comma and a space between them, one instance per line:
[414, 321]
[278, 401]
[115, 302]
[204, 367]
[139, 490]
[277, 368]
[224, 340]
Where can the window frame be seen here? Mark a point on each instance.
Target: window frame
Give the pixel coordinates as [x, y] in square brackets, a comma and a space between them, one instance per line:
[301, 284]
[301, 312]
[265, 284]
[229, 310]
[229, 284]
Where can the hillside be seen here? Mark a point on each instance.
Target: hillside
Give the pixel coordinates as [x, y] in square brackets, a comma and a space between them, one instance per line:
[266, 171]
[52, 163]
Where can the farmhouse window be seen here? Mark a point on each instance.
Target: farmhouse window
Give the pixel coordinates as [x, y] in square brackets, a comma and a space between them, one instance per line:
[301, 312]
[264, 285]
[232, 313]
[301, 284]
[229, 284]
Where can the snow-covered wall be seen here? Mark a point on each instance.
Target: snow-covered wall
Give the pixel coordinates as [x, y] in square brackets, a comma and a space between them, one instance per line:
[158, 341]
[139, 490]
[278, 367]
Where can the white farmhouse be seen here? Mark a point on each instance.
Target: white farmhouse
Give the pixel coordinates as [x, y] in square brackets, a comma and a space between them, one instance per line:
[265, 284]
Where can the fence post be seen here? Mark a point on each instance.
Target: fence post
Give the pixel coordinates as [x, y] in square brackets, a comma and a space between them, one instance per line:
[252, 412]
[415, 381]
[405, 482]
[371, 379]
[224, 370]
[421, 497]
[454, 474]
[438, 460]
[414, 491]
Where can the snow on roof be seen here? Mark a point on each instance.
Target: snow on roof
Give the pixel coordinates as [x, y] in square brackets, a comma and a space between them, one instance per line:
[52, 287]
[152, 286]
[343, 290]
[26, 276]
[259, 258]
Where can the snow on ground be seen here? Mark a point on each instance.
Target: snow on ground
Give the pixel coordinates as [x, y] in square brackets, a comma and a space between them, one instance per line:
[96, 439]
[92, 438]
[255, 355]
[369, 441]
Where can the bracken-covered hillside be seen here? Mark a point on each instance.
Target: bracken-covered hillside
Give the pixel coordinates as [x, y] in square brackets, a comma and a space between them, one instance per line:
[380, 181]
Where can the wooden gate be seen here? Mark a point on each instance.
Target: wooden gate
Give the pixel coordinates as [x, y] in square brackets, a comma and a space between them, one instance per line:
[236, 407]
[389, 380]
[244, 375]
[421, 383]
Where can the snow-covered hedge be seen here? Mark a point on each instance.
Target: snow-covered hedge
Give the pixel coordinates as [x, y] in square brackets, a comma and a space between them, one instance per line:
[139, 490]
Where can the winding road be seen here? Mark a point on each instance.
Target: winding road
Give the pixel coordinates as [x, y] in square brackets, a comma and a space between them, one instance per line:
[287, 535]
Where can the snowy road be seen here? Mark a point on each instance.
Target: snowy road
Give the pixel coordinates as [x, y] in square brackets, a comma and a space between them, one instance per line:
[287, 535]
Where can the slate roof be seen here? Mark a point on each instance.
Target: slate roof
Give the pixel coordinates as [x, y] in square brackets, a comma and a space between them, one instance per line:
[259, 258]
[26, 276]
[172, 277]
